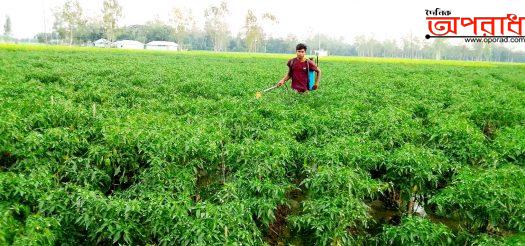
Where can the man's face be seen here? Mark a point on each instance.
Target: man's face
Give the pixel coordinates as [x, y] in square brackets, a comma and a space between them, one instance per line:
[300, 53]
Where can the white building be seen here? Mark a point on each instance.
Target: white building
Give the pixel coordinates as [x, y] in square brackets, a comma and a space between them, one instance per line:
[129, 44]
[162, 45]
[102, 43]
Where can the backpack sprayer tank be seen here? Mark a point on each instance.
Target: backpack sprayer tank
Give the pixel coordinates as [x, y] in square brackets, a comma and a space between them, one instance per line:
[311, 80]
[311, 74]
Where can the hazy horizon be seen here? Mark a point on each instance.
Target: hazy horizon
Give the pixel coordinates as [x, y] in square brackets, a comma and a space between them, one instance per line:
[379, 19]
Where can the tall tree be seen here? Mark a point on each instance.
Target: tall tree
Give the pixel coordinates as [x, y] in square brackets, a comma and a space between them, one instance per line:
[253, 32]
[183, 24]
[111, 12]
[68, 19]
[478, 49]
[157, 30]
[367, 46]
[360, 45]
[7, 26]
[269, 20]
[92, 30]
[438, 46]
[411, 46]
[216, 27]
[487, 51]
[390, 48]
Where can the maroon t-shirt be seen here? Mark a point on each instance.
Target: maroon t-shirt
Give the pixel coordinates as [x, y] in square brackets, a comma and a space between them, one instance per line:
[299, 73]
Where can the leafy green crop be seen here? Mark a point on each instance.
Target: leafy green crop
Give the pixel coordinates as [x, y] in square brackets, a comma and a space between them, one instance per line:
[416, 231]
[109, 147]
[486, 198]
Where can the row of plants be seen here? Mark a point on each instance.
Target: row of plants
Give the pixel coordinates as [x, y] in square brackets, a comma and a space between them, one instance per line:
[162, 148]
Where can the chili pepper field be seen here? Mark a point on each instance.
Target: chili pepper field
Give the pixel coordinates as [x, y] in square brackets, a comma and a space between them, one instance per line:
[106, 146]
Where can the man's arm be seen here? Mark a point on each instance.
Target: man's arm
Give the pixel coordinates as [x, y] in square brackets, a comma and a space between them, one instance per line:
[317, 77]
[288, 75]
[283, 80]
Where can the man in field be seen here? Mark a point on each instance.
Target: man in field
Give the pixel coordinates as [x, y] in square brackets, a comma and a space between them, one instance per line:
[298, 71]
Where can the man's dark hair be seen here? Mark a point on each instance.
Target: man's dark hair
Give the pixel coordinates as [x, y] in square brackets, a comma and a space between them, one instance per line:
[300, 46]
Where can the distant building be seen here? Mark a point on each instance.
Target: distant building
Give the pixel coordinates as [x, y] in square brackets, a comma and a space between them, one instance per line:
[102, 43]
[162, 45]
[321, 52]
[128, 44]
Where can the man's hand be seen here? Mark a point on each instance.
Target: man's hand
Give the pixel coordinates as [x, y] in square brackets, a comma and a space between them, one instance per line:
[281, 83]
[315, 86]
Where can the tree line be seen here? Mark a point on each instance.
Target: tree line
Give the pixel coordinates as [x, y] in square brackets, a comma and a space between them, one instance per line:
[73, 27]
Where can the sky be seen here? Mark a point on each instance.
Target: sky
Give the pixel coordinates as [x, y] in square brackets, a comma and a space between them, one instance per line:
[381, 19]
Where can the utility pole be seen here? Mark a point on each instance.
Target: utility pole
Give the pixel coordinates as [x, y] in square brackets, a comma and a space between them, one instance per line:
[44, 15]
[319, 40]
